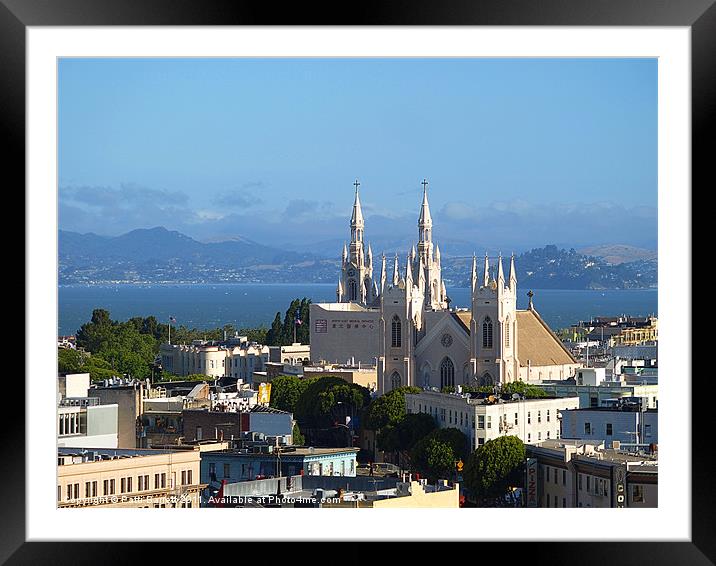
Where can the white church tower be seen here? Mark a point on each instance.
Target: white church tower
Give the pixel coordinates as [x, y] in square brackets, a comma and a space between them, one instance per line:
[401, 318]
[432, 286]
[493, 325]
[356, 282]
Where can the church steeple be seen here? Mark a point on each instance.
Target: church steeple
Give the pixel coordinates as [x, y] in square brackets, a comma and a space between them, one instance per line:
[425, 220]
[357, 222]
[473, 276]
[383, 273]
[486, 277]
[500, 272]
[513, 273]
[396, 271]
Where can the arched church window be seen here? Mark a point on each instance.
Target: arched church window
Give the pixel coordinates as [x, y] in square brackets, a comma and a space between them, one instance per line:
[487, 332]
[352, 290]
[395, 331]
[447, 373]
[507, 332]
[487, 379]
[395, 380]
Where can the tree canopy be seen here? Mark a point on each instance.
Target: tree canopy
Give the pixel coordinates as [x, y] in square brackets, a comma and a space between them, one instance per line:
[435, 455]
[327, 399]
[495, 466]
[388, 409]
[286, 390]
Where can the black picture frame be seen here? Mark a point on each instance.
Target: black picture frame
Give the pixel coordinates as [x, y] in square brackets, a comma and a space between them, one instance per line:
[699, 15]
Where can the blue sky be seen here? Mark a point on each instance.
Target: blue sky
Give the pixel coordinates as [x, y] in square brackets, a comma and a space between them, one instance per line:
[518, 152]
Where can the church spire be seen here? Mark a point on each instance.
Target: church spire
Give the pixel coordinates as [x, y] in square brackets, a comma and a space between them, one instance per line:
[396, 270]
[425, 220]
[437, 254]
[357, 216]
[408, 275]
[345, 252]
[500, 272]
[486, 277]
[513, 273]
[370, 257]
[383, 273]
[339, 291]
[473, 274]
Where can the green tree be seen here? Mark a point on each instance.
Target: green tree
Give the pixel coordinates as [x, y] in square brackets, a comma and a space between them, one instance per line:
[435, 455]
[70, 360]
[298, 439]
[327, 399]
[388, 409]
[495, 467]
[273, 336]
[286, 390]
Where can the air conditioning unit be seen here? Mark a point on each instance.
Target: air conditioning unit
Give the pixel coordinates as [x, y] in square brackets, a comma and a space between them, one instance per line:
[616, 444]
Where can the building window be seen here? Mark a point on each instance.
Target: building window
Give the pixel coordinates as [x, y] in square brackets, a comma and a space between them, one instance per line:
[539, 435]
[489, 421]
[183, 477]
[529, 417]
[487, 333]
[395, 380]
[564, 477]
[352, 290]
[609, 429]
[481, 421]
[69, 492]
[515, 419]
[447, 373]
[547, 415]
[579, 477]
[480, 441]
[529, 437]
[88, 489]
[227, 470]
[587, 428]
[189, 477]
[637, 494]
[395, 332]
[539, 416]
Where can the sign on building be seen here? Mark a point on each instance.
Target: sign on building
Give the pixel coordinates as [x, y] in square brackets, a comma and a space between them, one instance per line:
[264, 396]
[531, 495]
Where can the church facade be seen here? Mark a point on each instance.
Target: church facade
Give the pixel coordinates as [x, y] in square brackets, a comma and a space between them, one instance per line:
[405, 326]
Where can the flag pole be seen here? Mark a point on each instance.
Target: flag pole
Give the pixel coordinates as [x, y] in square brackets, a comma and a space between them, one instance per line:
[170, 331]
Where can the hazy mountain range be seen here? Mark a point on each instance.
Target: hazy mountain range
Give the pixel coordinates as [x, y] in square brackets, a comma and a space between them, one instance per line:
[159, 255]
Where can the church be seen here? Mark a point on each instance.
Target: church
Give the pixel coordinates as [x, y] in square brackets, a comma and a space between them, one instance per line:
[405, 326]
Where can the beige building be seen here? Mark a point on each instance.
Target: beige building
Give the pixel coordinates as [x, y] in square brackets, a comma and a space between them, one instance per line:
[405, 325]
[128, 478]
[406, 495]
[577, 473]
[364, 376]
[483, 419]
[234, 358]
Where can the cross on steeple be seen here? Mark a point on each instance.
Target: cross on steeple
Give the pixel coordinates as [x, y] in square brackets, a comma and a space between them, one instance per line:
[424, 184]
[356, 184]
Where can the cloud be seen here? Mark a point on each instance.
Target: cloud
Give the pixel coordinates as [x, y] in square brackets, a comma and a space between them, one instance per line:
[245, 196]
[508, 225]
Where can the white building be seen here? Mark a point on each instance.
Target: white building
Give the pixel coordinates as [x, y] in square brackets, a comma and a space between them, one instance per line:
[405, 326]
[82, 422]
[487, 418]
[627, 424]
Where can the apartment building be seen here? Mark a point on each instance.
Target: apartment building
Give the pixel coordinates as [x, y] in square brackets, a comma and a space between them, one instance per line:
[482, 418]
[128, 478]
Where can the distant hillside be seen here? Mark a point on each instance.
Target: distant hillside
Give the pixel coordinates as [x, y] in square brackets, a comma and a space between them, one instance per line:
[161, 255]
[616, 254]
[158, 255]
